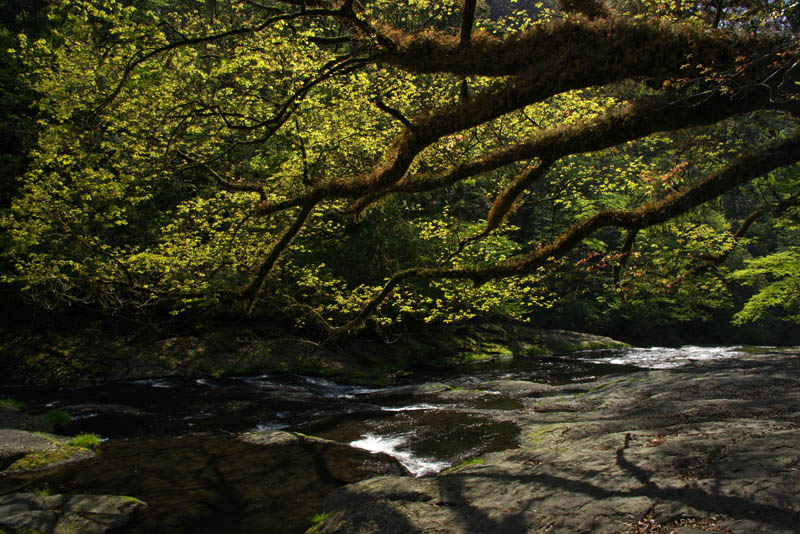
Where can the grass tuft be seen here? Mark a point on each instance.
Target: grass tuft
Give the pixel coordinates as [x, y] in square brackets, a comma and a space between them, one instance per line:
[87, 441]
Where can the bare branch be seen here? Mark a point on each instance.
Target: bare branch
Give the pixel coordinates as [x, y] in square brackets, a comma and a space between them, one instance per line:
[394, 113]
[249, 293]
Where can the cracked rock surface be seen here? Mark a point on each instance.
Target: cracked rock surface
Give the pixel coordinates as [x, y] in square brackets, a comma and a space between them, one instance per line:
[62, 514]
[710, 447]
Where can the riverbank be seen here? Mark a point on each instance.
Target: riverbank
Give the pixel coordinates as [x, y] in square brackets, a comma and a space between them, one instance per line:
[106, 350]
[709, 447]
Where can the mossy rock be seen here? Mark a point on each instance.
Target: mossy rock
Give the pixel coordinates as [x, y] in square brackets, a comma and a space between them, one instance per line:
[23, 452]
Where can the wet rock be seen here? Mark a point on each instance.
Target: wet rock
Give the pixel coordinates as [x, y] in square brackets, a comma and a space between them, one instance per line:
[336, 461]
[87, 409]
[14, 442]
[704, 448]
[562, 341]
[404, 392]
[519, 388]
[12, 418]
[62, 514]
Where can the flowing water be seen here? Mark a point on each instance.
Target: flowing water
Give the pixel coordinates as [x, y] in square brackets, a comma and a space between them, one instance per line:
[171, 441]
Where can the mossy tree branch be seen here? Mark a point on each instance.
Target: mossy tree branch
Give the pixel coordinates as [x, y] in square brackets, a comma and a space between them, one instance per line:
[617, 126]
[740, 171]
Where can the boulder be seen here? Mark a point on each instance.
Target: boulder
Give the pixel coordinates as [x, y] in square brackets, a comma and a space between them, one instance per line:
[333, 460]
[269, 481]
[23, 451]
[63, 514]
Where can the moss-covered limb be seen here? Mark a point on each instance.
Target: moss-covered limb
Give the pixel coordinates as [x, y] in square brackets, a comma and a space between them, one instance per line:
[564, 50]
[550, 60]
[429, 127]
[626, 123]
[661, 52]
[426, 128]
[740, 171]
[503, 204]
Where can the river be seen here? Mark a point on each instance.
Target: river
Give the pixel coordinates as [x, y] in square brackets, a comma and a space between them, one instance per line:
[171, 442]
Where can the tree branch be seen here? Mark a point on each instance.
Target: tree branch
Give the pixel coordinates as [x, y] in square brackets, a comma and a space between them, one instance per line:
[249, 293]
[740, 171]
[629, 122]
[624, 254]
[222, 181]
[143, 56]
[712, 261]
[573, 51]
[394, 113]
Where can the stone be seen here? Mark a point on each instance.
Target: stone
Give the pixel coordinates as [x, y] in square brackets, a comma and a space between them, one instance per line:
[66, 514]
[36, 452]
[519, 388]
[338, 461]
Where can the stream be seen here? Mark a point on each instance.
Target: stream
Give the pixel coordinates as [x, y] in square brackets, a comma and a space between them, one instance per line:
[172, 442]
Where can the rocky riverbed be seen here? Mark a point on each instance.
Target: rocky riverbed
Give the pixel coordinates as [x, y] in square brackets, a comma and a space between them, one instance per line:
[704, 447]
[708, 447]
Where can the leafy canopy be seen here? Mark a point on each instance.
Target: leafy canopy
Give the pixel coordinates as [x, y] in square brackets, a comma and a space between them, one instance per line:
[338, 162]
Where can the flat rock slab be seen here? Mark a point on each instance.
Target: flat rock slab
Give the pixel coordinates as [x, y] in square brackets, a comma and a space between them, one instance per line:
[15, 442]
[44, 451]
[62, 514]
[711, 447]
